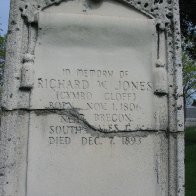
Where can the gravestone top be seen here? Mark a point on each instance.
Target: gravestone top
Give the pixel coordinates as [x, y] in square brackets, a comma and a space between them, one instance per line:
[92, 101]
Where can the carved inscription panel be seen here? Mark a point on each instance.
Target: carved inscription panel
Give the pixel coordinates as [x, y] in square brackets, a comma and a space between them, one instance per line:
[99, 66]
[93, 131]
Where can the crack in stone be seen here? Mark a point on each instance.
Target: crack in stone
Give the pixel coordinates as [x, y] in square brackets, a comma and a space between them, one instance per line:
[74, 114]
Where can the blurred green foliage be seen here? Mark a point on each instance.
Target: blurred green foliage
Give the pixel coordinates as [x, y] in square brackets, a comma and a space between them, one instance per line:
[189, 76]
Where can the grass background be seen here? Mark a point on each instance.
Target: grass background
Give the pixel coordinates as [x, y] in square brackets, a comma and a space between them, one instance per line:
[190, 161]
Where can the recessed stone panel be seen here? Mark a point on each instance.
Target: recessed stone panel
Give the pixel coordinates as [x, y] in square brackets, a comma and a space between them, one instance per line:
[100, 66]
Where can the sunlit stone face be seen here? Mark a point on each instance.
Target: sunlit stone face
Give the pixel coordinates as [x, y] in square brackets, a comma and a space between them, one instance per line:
[94, 75]
[98, 64]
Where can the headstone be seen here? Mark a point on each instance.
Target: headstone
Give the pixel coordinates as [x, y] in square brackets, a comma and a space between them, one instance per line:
[190, 120]
[92, 102]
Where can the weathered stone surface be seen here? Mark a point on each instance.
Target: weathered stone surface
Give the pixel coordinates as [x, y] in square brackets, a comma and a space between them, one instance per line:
[92, 101]
[103, 72]
[64, 154]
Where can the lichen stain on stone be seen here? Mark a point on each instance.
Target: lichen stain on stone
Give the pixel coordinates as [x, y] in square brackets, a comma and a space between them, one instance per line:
[160, 10]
